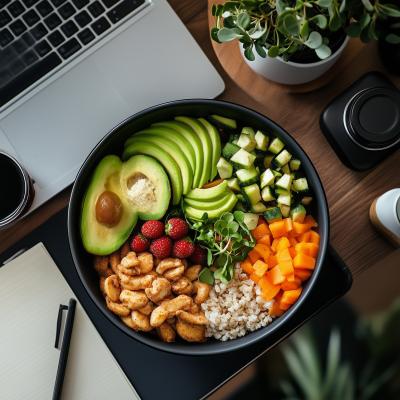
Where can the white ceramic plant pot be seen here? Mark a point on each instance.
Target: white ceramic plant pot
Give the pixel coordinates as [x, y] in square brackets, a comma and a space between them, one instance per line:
[290, 73]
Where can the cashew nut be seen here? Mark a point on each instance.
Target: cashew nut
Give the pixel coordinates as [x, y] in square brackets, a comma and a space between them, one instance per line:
[100, 264]
[166, 333]
[174, 274]
[191, 333]
[135, 282]
[117, 308]
[182, 286]
[202, 289]
[195, 319]
[181, 302]
[146, 262]
[133, 299]
[158, 316]
[192, 273]
[111, 288]
[168, 263]
[115, 260]
[147, 309]
[102, 280]
[125, 249]
[141, 322]
[160, 289]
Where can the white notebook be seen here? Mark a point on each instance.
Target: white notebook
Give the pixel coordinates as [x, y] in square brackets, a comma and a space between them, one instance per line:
[31, 290]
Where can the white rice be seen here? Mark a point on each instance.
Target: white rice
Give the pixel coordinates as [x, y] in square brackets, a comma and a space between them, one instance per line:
[236, 308]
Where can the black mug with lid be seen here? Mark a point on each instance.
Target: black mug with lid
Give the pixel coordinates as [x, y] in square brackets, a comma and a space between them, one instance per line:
[20, 192]
[363, 123]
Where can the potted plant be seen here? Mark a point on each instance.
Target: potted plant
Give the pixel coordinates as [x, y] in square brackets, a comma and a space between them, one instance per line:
[296, 41]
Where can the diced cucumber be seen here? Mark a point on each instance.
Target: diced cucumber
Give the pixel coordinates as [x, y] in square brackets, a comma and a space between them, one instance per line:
[284, 182]
[242, 159]
[247, 142]
[306, 201]
[243, 203]
[247, 176]
[267, 194]
[258, 208]
[268, 160]
[298, 213]
[284, 199]
[224, 168]
[233, 184]
[294, 164]
[248, 131]
[285, 210]
[272, 213]
[251, 193]
[258, 170]
[267, 178]
[240, 207]
[300, 185]
[222, 122]
[277, 174]
[276, 146]
[251, 220]
[229, 150]
[286, 170]
[262, 141]
[235, 142]
[281, 159]
[233, 137]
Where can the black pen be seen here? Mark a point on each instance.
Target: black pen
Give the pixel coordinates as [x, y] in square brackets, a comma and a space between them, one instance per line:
[66, 340]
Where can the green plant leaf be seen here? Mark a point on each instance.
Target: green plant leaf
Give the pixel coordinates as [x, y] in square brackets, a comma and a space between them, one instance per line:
[263, 38]
[239, 216]
[214, 35]
[332, 362]
[335, 22]
[314, 40]
[257, 31]
[213, 9]
[280, 6]
[227, 35]
[231, 6]
[219, 10]
[364, 37]
[293, 48]
[220, 274]
[227, 217]
[395, 26]
[209, 257]
[372, 33]
[342, 6]
[364, 20]
[292, 25]
[304, 30]
[368, 5]
[320, 20]
[392, 38]
[390, 11]
[324, 3]
[243, 20]
[260, 51]
[323, 51]
[248, 53]
[273, 51]
[353, 30]
[228, 23]
[249, 5]
[325, 41]
[265, 8]
[206, 276]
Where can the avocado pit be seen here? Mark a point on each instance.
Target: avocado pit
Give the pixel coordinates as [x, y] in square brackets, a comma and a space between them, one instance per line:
[108, 209]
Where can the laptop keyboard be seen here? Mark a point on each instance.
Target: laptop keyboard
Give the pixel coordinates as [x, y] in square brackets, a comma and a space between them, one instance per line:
[38, 36]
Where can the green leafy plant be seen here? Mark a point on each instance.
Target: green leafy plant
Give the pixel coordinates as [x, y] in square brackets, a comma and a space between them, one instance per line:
[284, 27]
[225, 242]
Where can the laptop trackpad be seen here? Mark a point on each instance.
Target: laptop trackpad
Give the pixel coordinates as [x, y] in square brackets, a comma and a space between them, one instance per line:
[67, 118]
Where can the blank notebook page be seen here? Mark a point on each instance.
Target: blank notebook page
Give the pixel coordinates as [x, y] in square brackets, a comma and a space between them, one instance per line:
[31, 290]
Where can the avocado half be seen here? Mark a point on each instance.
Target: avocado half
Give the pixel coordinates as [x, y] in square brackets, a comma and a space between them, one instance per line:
[145, 186]
[97, 238]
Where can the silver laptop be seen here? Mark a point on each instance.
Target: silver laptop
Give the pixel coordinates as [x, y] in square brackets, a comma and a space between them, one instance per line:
[70, 70]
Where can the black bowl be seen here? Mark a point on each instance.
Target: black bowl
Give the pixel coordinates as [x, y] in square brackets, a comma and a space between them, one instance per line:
[113, 143]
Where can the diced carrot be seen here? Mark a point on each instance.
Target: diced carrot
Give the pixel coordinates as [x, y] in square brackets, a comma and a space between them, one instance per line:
[283, 244]
[263, 251]
[269, 290]
[277, 229]
[293, 234]
[260, 231]
[293, 241]
[274, 245]
[254, 256]
[272, 261]
[284, 255]
[309, 220]
[302, 248]
[288, 224]
[292, 252]
[313, 249]
[260, 268]
[304, 237]
[314, 237]
[300, 228]
[265, 240]
[290, 296]
[302, 274]
[286, 267]
[289, 285]
[254, 277]
[271, 221]
[304, 261]
[275, 309]
[290, 277]
[261, 220]
[247, 266]
[275, 276]
[284, 306]
[286, 234]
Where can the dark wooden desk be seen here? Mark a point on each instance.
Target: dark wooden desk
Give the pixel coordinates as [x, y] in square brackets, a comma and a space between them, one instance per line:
[349, 193]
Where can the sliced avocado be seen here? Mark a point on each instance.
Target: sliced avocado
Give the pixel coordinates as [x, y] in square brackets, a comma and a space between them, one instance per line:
[173, 135]
[142, 147]
[145, 186]
[222, 122]
[186, 131]
[97, 237]
[216, 145]
[207, 205]
[202, 133]
[210, 194]
[175, 152]
[194, 213]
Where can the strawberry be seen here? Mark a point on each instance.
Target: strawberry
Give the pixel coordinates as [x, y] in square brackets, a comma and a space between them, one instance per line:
[152, 229]
[139, 243]
[161, 247]
[177, 228]
[182, 248]
[198, 255]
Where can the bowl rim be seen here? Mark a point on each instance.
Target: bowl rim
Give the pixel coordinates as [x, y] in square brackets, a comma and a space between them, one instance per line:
[197, 349]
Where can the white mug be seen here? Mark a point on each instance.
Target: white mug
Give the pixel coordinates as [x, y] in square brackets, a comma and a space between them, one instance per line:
[388, 211]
